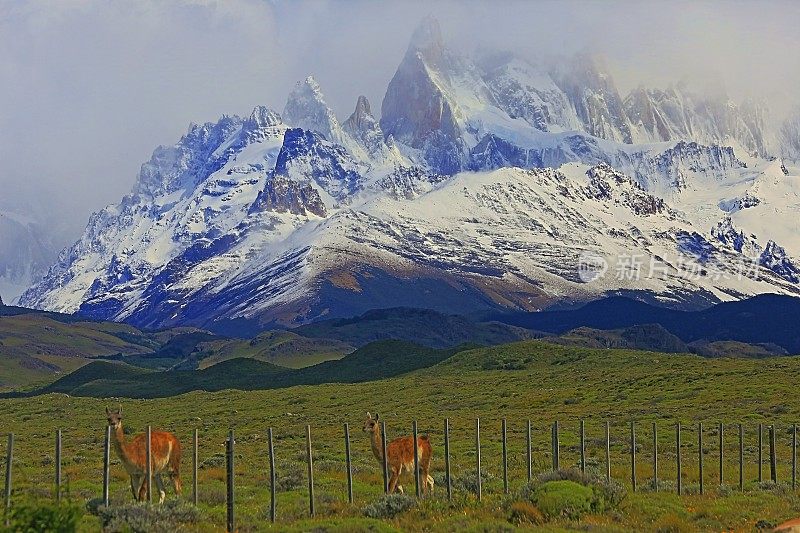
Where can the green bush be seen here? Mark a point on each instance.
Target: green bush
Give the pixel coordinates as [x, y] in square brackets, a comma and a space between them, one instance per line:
[563, 499]
[390, 506]
[174, 515]
[571, 493]
[35, 518]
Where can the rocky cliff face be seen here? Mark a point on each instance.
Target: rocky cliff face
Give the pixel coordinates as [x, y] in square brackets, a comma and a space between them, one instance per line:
[679, 114]
[593, 95]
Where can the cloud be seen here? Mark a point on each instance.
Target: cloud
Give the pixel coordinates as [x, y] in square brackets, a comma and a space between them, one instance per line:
[90, 87]
[93, 87]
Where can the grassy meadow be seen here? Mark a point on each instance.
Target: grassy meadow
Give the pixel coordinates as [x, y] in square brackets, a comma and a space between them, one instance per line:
[529, 380]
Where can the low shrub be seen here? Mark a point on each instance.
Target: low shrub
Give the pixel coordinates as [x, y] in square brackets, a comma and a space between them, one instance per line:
[51, 517]
[214, 461]
[779, 488]
[390, 506]
[468, 481]
[174, 515]
[663, 485]
[291, 478]
[563, 498]
[570, 493]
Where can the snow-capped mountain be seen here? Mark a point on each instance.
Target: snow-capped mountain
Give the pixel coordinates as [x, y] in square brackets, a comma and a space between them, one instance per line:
[487, 183]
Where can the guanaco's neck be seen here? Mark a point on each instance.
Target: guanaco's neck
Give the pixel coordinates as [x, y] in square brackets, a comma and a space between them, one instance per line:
[118, 439]
[377, 443]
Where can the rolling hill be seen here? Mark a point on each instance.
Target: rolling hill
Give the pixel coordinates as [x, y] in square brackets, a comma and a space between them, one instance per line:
[422, 326]
[767, 318]
[377, 360]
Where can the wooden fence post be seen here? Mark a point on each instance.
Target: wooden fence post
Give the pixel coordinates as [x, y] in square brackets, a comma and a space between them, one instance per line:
[447, 458]
[348, 463]
[760, 451]
[633, 456]
[530, 453]
[9, 466]
[195, 464]
[106, 465]
[773, 462]
[230, 494]
[655, 456]
[149, 462]
[58, 465]
[272, 487]
[721, 453]
[505, 458]
[678, 456]
[608, 451]
[478, 455]
[794, 456]
[385, 461]
[417, 484]
[583, 447]
[700, 452]
[310, 458]
[556, 448]
[741, 458]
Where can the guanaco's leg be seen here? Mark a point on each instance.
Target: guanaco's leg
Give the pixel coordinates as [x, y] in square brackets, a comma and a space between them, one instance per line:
[135, 486]
[162, 494]
[394, 479]
[142, 488]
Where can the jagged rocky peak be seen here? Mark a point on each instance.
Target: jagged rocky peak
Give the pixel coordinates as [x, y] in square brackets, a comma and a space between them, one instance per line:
[282, 195]
[414, 106]
[645, 114]
[527, 91]
[365, 129]
[306, 108]
[607, 183]
[417, 109]
[774, 258]
[789, 137]
[591, 91]
[361, 118]
[188, 162]
[427, 40]
[262, 117]
[307, 156]
[262, 123]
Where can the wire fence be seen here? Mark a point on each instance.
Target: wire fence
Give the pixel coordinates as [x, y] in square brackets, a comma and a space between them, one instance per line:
[641, 458]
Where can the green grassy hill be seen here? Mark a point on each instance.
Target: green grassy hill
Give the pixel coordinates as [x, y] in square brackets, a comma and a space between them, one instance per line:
[283, 348]
[422, 326]
[37, 347]
[376, 360]
[518, 382]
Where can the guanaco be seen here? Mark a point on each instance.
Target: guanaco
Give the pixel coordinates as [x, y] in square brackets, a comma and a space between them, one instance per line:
[400, 455]
[165, 455]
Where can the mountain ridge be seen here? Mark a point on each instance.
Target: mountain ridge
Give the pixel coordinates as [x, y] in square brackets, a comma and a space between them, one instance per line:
[443, 202]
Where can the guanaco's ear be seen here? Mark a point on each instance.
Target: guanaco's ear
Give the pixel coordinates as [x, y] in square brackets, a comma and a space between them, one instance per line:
[377, 416]
[369, 416]
[119, 411]
[108, 412]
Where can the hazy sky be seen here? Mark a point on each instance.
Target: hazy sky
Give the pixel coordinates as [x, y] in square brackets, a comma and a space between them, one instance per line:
[88, 88]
